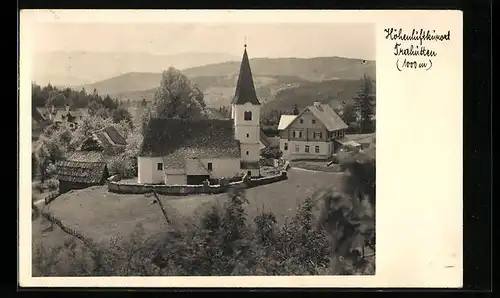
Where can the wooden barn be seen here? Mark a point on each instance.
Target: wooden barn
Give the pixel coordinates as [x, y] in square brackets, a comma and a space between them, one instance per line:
[81, 170]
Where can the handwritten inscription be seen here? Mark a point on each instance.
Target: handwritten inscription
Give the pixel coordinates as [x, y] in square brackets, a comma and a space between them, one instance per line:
[410, 50]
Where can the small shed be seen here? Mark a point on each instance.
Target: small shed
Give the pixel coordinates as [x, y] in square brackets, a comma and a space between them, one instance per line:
[76, 172]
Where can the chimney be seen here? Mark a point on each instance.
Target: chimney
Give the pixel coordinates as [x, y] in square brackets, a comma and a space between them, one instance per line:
[52, 109]
[67, 107]
[317, 103]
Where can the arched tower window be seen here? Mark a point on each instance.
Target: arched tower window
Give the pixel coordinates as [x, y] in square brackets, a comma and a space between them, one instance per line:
[248, 116]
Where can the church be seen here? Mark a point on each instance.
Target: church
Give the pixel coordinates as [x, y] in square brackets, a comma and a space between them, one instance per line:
[188, 152]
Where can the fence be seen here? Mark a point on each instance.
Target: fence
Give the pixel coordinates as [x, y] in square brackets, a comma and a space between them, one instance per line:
[51, 196]
[115, 186]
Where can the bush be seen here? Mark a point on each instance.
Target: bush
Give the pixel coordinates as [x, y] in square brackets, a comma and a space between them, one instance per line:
[52, 185]
[123, 166]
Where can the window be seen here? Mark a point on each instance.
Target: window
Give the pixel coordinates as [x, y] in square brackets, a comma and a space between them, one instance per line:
[293, 133]
[317, 135]
[249, 173]
[210, 166]
[320, 134]
[248, 116]
[159, 166]
[300, 134]
[286, 146]
[301, 121]
[313, 121]
[297, 148]
[307, 148]
[248, 135]
[316, 149]
[248, 152]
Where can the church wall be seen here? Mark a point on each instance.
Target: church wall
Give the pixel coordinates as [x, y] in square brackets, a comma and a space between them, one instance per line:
[221, 167]
[148, 171]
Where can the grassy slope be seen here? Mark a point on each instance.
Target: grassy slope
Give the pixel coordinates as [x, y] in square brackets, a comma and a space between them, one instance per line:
[101, 215]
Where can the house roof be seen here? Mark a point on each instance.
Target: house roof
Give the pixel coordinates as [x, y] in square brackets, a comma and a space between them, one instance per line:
[245, 89]
[116, 137]
[177, 139]
[81, 167]
[109, 139]
[87, 156]
[323, 112]
[285, 121]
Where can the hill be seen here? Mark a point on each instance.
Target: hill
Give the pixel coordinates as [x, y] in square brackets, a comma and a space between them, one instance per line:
[333, 92]
[71, 68]
[312, 69]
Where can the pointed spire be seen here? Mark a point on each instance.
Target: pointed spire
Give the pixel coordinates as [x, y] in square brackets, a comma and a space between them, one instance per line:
[245, 89]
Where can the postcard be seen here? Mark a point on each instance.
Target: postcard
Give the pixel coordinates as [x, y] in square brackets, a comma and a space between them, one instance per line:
[202, 148]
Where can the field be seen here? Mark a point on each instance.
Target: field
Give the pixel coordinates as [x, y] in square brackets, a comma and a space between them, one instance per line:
[101, 215]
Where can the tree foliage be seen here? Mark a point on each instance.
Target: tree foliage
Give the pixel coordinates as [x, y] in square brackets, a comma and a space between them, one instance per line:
[177, 97]
[364, 104]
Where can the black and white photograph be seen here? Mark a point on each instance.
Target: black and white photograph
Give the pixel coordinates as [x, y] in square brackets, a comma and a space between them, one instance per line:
[202, 149]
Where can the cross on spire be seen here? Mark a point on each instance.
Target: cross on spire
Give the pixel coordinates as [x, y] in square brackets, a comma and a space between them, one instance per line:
[245, 41]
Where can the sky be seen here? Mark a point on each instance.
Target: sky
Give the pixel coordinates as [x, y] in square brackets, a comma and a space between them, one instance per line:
[274, 40]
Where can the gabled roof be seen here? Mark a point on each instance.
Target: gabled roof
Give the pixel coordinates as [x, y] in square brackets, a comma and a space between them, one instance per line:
[285, 121]
[81, 167]
[115, 135]
[323, 112]
[177, 139]
[245, 89]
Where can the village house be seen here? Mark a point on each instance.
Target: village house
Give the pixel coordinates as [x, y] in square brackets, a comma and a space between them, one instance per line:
[189, 152]
[312, 134]
[108, 140]
[81, 169]
[68, 117]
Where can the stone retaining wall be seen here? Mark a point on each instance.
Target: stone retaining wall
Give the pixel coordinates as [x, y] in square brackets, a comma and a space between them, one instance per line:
[115, 186]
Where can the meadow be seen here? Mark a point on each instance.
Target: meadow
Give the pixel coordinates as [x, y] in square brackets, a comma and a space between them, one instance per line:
[101, 215]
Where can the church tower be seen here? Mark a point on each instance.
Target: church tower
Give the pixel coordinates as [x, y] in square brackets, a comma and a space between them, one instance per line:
[245, 112]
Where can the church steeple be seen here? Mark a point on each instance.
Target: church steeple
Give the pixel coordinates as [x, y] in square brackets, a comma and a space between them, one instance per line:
[245, 89]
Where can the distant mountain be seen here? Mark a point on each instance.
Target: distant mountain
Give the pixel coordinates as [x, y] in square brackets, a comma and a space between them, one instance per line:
[79, 68]
[311, 69]
[216, 77]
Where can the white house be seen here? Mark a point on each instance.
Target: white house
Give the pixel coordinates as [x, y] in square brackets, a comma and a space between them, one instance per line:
[315, 133]
[182, 152]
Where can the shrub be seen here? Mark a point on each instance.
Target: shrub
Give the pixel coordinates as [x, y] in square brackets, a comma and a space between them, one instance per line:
[121, 165]
[52, 184]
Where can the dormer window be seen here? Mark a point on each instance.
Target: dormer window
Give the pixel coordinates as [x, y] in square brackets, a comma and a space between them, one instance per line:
[301, 121]
[248, 116]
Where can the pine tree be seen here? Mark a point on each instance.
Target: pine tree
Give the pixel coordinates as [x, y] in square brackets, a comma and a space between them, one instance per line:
[364, 103]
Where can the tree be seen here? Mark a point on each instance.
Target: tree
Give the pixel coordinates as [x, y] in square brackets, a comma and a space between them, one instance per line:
[121, 114]
[364, 103]
[177, 97]
[349, 113]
